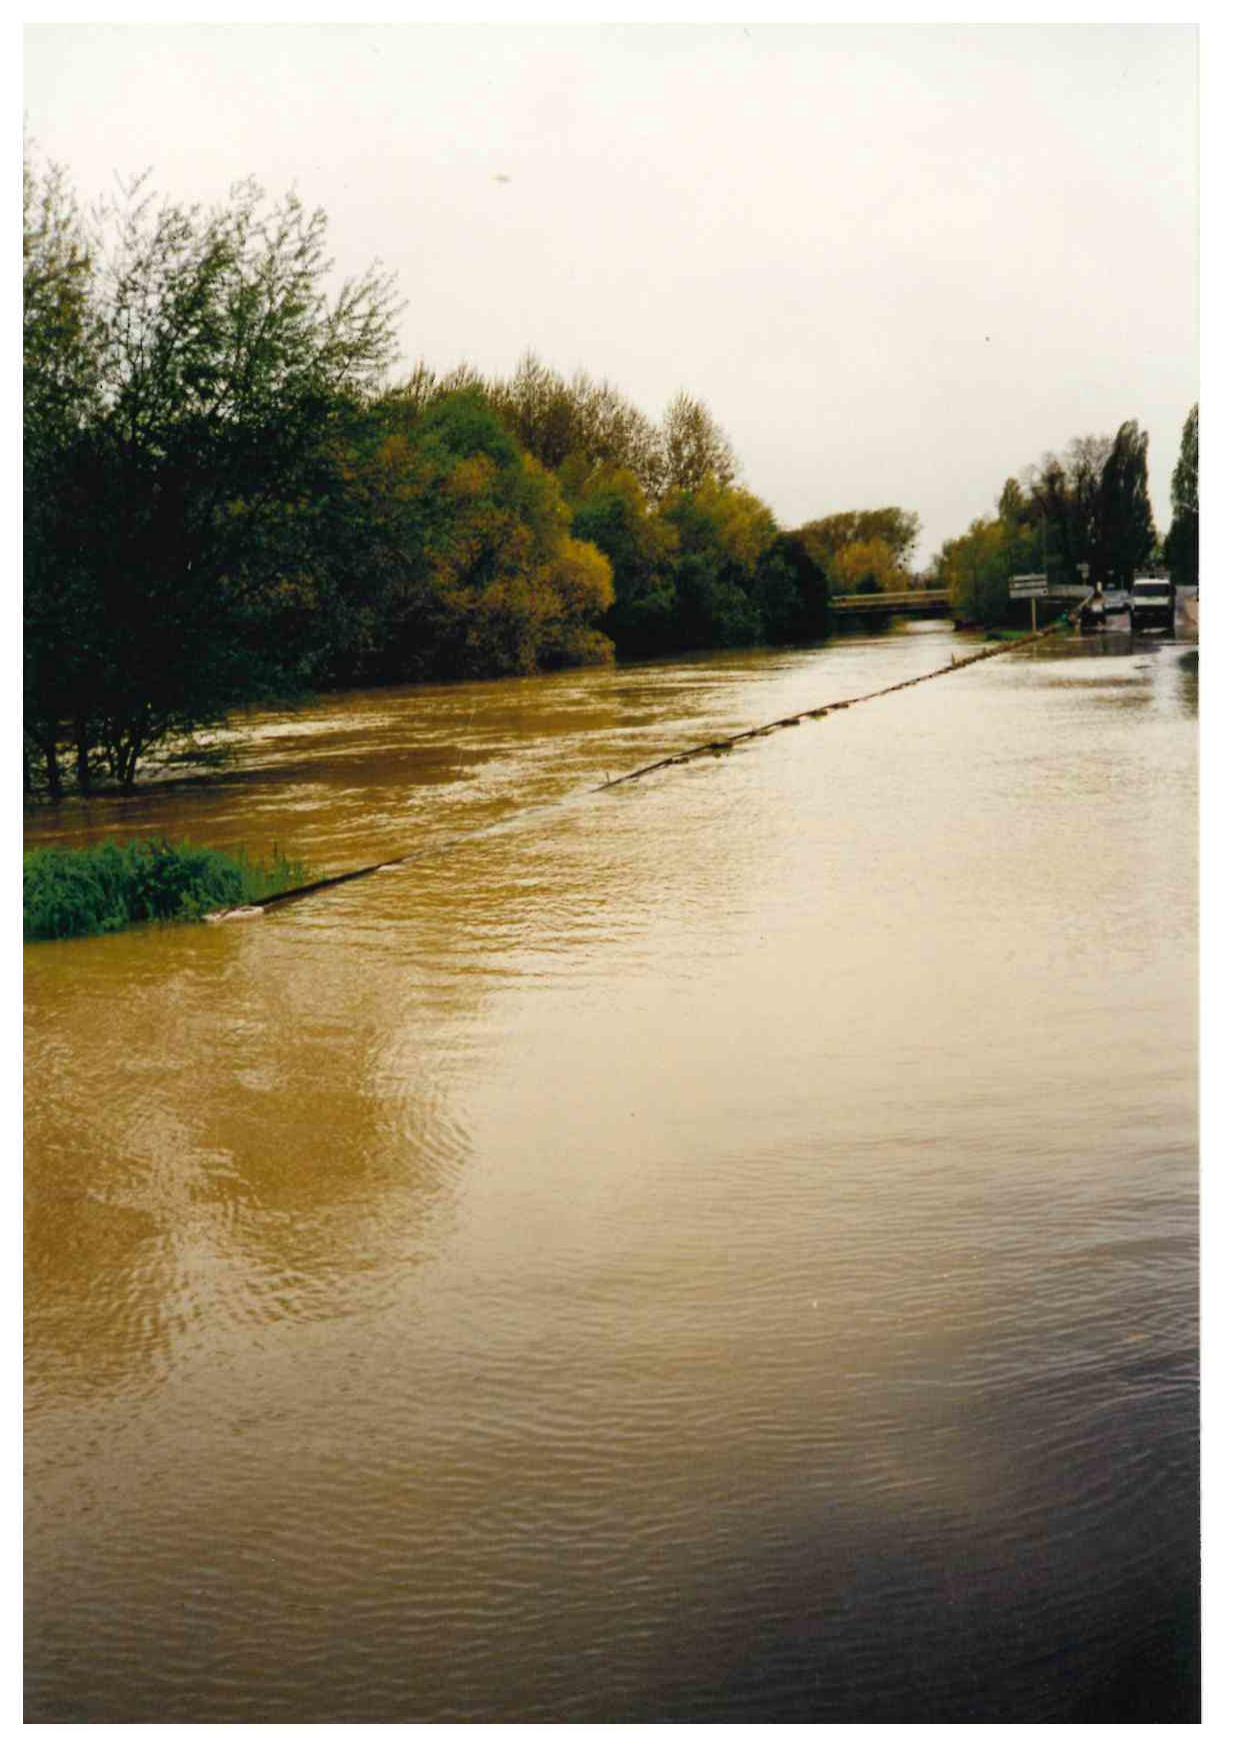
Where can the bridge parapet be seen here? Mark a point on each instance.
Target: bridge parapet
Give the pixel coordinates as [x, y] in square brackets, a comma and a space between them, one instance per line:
[904, 601]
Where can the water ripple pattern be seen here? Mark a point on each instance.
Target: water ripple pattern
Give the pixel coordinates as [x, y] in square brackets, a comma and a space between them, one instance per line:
[721, 1251]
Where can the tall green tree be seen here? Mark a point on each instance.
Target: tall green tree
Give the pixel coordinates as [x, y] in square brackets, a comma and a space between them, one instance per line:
[62, 390]
[1181, 546]
[898, 529]
[1127, 537]
[792, 592]
[694, 448]
[722, 534]
[575, 426]
[977, 567]
[1090, 505]
[511, 590]
[863, 552]
[452, 555]
[1094, 505]
[614, 513]
[59, 333]
[223, 373]
[1067, 492]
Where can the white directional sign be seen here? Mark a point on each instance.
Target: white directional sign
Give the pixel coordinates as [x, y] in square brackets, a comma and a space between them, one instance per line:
[1028, 588]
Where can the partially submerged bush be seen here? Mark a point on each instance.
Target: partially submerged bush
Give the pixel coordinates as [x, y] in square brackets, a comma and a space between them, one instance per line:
[110, 886]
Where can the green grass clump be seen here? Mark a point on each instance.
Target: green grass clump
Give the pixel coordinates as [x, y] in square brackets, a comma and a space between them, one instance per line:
[112, 886]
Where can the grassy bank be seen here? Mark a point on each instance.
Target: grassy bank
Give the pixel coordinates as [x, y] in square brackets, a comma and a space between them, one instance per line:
[113, 886]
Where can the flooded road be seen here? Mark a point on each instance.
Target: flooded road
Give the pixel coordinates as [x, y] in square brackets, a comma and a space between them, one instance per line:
[722, 1249]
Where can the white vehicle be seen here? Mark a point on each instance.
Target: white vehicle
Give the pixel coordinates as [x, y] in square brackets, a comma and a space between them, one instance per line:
[1115, 601]
[1153, 604]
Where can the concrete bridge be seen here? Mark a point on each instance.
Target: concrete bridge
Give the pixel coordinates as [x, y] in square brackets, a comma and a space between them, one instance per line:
[932, 602]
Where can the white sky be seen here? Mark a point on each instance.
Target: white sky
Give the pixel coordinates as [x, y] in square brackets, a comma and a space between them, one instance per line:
[897, 262]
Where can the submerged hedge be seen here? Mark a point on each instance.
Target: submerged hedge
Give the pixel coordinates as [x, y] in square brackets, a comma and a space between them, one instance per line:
[111, 886]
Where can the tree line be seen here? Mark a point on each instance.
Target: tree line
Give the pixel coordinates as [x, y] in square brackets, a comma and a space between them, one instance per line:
[1085, 512]
[229, 497]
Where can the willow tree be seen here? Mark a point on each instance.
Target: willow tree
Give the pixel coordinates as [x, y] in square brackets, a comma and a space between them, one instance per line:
[722, 534]
[829, 536]
[613, 512]
[695, 450]
[576, 425]
[60, 350]
[451, 552]
[222, 370]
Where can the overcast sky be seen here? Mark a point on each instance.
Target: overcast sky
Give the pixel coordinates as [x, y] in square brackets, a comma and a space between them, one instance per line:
[898, 263]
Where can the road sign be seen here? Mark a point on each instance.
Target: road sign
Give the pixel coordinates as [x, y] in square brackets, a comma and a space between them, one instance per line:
[1028, 588]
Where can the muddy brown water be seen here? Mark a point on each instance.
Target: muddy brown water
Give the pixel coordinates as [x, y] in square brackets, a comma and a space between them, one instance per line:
[722, 1249]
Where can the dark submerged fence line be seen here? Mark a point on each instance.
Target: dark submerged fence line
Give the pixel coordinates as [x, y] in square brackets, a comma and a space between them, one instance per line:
[733, 740]
[707, 747]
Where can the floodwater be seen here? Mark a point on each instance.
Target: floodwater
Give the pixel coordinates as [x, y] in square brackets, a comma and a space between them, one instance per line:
[720, 1249]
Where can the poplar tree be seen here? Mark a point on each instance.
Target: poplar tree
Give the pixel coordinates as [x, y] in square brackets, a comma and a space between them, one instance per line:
[1127, 537]
[1181, 546]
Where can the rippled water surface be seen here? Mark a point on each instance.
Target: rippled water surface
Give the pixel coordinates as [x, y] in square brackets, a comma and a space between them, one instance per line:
[721, 1249]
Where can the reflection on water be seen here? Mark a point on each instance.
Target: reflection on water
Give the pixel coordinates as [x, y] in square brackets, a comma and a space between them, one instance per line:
[721, 1249]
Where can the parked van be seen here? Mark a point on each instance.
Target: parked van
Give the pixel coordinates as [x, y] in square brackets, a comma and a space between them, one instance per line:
[1153, 604]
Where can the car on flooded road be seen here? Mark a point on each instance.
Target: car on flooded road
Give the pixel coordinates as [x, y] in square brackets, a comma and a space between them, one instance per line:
[1153, 604]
